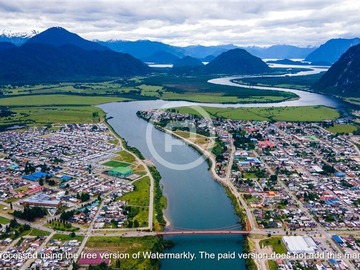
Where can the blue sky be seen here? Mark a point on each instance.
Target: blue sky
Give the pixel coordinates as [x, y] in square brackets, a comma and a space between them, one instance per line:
[186, 22]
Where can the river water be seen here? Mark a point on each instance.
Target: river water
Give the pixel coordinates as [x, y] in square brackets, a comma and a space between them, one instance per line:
[195, 200]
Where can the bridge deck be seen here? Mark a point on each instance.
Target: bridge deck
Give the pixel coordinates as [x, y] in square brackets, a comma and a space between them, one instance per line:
[192, 232]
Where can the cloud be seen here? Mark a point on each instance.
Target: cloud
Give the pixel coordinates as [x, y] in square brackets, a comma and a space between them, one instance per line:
[184, 22]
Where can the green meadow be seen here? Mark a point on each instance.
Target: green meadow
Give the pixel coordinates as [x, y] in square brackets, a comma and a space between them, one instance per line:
[305, 113]
[345, 128]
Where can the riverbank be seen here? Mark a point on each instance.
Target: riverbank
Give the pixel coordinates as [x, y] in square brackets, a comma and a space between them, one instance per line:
[230, 191]
[140, 158]
[211, 160]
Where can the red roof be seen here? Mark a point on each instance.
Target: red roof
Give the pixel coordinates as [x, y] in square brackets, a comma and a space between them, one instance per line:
[263, 144]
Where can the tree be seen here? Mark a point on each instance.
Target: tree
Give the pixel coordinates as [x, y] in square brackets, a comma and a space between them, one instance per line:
[75, 266]
[72, 235]
[84, 197]
[130, 224]
[118, 264]
[13, 223]
[136, 223]
[273, 178]
[41, 182]
[43, 168]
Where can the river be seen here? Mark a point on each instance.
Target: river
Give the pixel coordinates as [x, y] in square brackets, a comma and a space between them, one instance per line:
[195, 200]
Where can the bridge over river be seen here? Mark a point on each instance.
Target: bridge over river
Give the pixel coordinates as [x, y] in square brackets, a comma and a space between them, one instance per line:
[200, 232]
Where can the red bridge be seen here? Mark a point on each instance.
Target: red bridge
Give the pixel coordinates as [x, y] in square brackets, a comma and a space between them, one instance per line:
[232, 229]
[199, 232]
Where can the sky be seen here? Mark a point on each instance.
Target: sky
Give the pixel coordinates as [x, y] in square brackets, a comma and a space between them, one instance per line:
[190, 22]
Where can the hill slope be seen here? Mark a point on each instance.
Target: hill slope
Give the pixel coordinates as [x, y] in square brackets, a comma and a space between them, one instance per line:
[331, 50]
[236, 61]
[343, 78]
[142, 49]
[187, 61]
[6, 45]
[56, 60]
[57, 37]
[161, 57]
[280, 51]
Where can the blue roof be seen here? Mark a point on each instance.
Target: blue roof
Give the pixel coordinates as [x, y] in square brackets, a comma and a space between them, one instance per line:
[337, 239]
[339, 174]
[35, 176]
[65, 178]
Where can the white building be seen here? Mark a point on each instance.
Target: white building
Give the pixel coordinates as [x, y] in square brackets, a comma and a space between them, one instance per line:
[299, 244]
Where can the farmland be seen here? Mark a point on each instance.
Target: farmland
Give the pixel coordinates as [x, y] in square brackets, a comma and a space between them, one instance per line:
[295, 114]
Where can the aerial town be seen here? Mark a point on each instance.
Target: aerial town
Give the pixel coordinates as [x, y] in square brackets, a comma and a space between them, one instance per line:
[295, 180]
[56, 185]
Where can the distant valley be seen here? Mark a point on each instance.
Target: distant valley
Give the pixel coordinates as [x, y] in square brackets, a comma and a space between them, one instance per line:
[57, 55]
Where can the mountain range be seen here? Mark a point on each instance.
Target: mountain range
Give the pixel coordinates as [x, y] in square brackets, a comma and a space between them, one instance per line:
[331, 50]
[145, 50]
[343, 77]
[152, 51]
[57, 54]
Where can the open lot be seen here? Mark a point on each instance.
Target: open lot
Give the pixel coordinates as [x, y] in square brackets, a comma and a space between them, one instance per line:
[127, 245]
[139, 200]
[276, 244]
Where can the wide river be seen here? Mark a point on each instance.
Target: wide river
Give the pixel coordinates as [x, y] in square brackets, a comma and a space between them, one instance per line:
[195, 200]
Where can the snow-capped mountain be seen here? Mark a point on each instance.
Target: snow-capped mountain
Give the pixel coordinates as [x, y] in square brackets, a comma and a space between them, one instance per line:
[17, 38]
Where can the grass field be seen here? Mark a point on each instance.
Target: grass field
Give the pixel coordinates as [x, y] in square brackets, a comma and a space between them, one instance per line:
[138, 169]
[48, 109]
[49, 115]
[197, 88]
[165, 86]
[66, 237]
[219, 98]
[52, 100]
[2, 206]
[126, 245]
[338, 128]
[125, 157]
[276, 243]
[293, 82]
[61, 227]
[139, 198]
[120, 87]
[114, 163]
[305, 113]
[22, 189]
[4, 220]
[35, 232]
[198, 139]
[273, 265]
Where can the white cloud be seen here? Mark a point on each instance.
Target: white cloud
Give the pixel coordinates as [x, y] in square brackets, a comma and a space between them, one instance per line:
[184, 22]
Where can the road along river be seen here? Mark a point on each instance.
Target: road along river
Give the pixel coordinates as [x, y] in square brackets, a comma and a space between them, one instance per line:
[195, 200]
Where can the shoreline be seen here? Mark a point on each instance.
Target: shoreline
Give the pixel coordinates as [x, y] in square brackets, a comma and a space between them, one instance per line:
[149, 174]
[210, 159]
